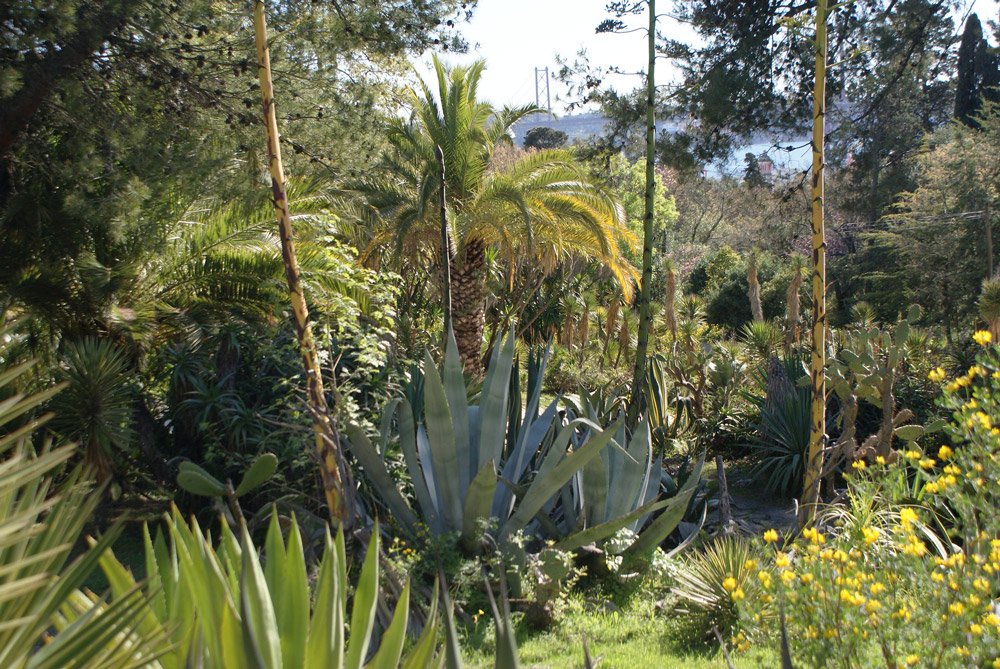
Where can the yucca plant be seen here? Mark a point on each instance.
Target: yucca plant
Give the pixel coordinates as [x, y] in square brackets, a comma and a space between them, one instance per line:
[96, 407]
[781, 442]
[709, 584]
[46, 621]
[863, 315]
[227, 609]
[762, 338]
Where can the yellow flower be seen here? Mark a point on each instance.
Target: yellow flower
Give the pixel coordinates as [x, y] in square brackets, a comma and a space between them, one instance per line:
[912, 455]
[956, 608]
[927, 463]
[907, 515]
[770, 536]
[729, 584]
[911, 660]
[936, 375]
[765, 578]
[879, 460]
[945, 452]
[782, 560]
[982, 337]
[750, 565]
[737, 594]
[858, 464]
[813, 535]
[871, 535]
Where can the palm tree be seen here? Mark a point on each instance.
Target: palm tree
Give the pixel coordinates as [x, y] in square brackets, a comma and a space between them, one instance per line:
[540, 203]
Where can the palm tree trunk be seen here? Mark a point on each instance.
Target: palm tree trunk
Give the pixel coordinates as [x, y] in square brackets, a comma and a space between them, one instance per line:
[327, 446]
[817, 433]
[468, 304]
[754, 292]
[639, 373]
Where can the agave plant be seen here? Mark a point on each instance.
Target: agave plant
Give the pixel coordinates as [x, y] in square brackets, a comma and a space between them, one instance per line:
[40, 522]
[619, 490]
[226, 609]
[457, 455]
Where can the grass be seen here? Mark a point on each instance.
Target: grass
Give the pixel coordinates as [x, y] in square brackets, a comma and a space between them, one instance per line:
[638, 637]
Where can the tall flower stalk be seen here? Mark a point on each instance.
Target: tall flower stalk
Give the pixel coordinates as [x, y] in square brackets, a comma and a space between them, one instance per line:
[639, 374]
[327, 446]
[817, 432]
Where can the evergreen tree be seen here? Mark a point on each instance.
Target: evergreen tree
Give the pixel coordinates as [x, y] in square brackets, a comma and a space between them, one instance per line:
[966, 79]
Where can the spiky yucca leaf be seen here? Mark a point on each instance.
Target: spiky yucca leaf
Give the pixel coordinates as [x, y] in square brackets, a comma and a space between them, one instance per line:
[95, 409]
[705, 597]
[40, 522]
[762, 337]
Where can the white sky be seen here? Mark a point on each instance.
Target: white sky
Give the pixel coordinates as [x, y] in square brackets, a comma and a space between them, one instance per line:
[516, 36]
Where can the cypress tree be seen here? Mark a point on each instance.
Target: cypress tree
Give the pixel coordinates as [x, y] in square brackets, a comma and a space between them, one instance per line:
[967, 83]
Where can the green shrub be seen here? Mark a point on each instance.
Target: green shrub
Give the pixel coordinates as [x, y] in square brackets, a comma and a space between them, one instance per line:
[886, 584]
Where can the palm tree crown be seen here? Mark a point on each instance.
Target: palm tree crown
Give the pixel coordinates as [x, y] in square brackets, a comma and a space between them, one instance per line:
[542, 204]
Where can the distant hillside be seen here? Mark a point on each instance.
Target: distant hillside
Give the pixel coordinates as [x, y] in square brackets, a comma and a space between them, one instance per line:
[576, 126]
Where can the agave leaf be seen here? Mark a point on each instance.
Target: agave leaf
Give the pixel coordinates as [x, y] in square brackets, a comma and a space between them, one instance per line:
[385, 425]
[493, 404]
[374, 467]
[595, 492]
[257, 607]
[422, 653]
[274, 549]
[544, 487]
[324, 628]
[441, 438]
[408, 444]
[452, 653]
[458, 405]
[363, 614]
[292, 605]
[391, 648]
[518, 460]
[477, 504]
[667, 521]
[605, 530]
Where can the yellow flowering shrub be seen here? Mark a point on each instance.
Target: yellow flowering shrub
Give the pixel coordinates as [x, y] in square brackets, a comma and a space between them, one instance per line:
[917, 583]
